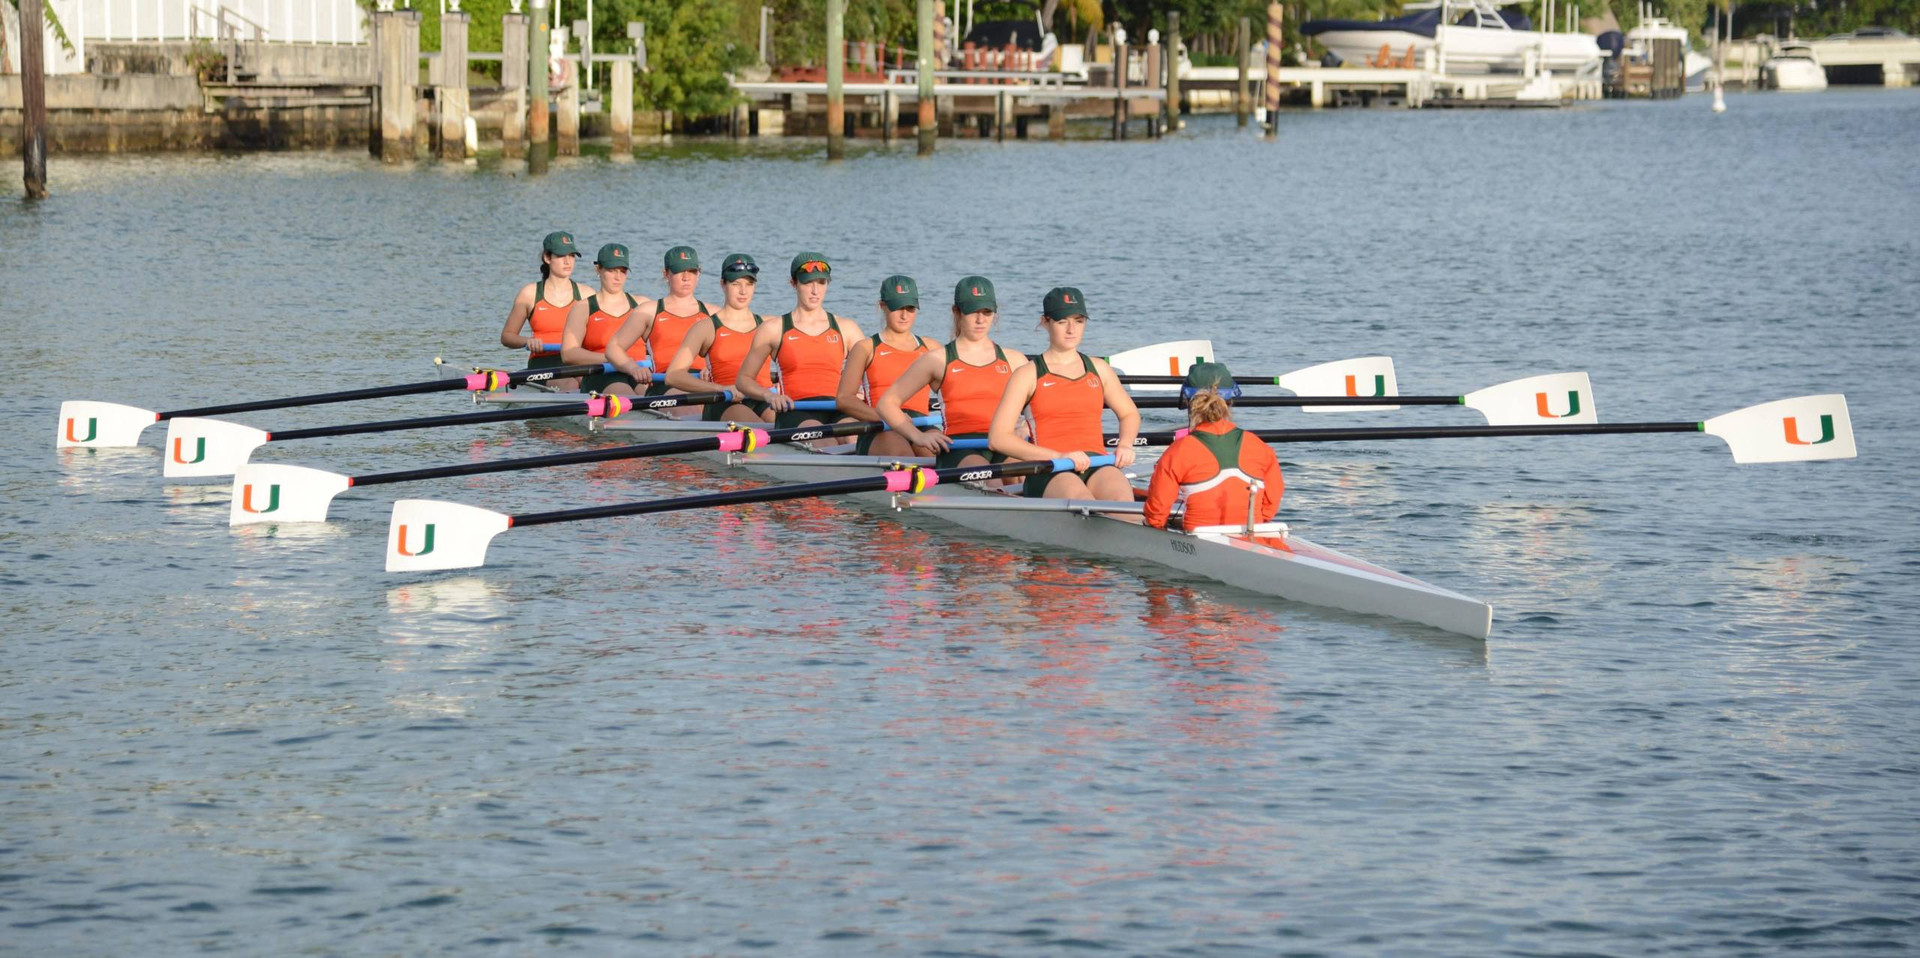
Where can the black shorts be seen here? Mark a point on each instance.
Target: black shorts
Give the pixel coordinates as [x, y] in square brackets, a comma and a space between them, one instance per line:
[716, 411]
[544, 361]
[864, 445]
[598, 382]
[1036, 486]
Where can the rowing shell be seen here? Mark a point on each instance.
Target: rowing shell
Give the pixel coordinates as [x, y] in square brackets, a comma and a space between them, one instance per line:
[1267, 560]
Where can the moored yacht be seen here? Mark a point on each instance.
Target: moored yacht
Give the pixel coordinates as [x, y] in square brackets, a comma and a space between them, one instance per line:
[1468, 36]
[1794, 68]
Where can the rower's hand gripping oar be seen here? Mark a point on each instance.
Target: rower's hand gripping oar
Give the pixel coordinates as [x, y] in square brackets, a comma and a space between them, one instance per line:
[271, 492]
[425, 535]
[198, 448]
[95, 425]
[1787, 430]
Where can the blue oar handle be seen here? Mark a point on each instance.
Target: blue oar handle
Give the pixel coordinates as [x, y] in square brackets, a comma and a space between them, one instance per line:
[935, 420]
[813, 405]
[968, 444]
[549, 347]
[1064, 464]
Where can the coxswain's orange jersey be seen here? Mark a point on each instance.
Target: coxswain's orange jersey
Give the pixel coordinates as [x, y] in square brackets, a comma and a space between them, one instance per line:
[886, 365]
[810, 364]
[601, 327]
[1215, 470]
[728, 351]
[969, 394]
[1066, 412]
[549, 322]
[670, 328]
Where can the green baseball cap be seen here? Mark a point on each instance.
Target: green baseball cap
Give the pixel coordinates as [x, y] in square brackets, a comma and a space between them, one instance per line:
[1065, 301]
[1204, 376]
[899, 292]
[682, 258]
[737, 266]
[613, 256]
[559, 244]
[973, 294]
[811, 268]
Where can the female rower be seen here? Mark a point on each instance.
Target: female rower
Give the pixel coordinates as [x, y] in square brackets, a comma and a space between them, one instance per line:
[810, 345]
[1221, 473]
[723, 342]
[971, 374]
[544, 305]
[1067, 391]
[678, 311]
[875, 362]
[594, 322]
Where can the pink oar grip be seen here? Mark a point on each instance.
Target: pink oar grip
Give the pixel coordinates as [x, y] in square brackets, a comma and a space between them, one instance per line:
[476, 382]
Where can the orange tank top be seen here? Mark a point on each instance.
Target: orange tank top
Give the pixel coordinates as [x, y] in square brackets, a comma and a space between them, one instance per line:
[549, 322]
[669, 329]
[810, 364]
[601, 327]
[728, 351]
[886, 365]
[1066, 412]
[969, 394]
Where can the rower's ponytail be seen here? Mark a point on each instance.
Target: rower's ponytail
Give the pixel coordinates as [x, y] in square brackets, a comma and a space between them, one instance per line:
[1208, 406]
[957, 317]
[544, 268]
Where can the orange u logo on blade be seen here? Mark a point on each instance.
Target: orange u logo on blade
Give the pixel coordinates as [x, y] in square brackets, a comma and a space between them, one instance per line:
[1792, 426]
[273, 498]
[93, 429]
[1379, 385]
[199, 450]
[425, 548]
[1546, 412]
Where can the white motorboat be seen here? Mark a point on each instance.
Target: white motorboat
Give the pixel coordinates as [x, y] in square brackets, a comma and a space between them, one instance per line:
[1794, 68]
[1468, 36]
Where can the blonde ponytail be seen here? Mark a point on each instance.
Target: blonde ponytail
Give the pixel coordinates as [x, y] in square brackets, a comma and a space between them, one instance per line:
[1208, 406]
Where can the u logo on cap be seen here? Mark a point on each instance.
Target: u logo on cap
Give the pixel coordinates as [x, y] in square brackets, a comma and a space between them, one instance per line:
[1066, 297]
[976, 291]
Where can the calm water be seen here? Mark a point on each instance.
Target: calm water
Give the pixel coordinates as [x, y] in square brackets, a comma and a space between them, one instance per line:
[803, 730]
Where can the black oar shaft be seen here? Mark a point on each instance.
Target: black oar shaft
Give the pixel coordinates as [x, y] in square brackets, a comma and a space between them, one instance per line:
[433, 422]
[1439, 432]
[1173, 402]
[671, 447]
[376, 392]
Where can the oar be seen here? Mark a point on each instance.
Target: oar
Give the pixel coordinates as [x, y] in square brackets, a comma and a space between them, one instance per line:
[197, 448]
[271, 492]
[1786, 430]
[1560, 398]
[425, 535]
[1369, 377]
[95, 425]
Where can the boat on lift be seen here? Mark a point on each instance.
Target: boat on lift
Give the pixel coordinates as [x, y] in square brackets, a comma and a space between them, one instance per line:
[1466, 36]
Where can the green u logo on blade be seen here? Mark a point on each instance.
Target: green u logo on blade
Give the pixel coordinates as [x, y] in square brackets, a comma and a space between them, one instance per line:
[402, 543]
[93, 429]
[273, 498]
[1573, 405]
[1793, 431]
[1379, 385]
[199, 451]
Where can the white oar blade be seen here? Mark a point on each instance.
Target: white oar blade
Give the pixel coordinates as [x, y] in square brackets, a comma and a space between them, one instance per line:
[425, 535]
[268, 492]
[1161, 359]
[197, 448]
[1562, 399]
[95, 425]
[1788, 430]
[1365, 376]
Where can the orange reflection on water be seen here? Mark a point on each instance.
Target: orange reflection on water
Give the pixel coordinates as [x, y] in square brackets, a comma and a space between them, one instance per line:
[1202, 643]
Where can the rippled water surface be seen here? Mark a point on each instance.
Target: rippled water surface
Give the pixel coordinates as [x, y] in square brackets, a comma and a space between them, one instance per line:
[806, 729]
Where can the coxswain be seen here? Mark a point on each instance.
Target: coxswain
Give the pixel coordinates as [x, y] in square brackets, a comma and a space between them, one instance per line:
[541, 307]
[875, 362]
[970, 374]
[595, 321]
[1219, 473]
[1067, 393]
[723, 342]
[678, 311]
[809, 345]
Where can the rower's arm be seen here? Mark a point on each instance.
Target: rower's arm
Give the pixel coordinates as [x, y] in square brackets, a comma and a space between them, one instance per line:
[847, 398]
[636, 327]
[1163, 490]
[680, 374]
[764, 340]
[1001, 437]
[572, 352]
[517, 314]
[1121, 402]
[920, 374]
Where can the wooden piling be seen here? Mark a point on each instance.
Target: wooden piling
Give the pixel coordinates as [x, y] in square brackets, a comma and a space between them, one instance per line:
[1274, 14]
[923, 65]
[621, 118]
[1172, 59]
[450, 92]
[1056, 120]
[397, 98]
[513, 77]
[33, 99]
[1119, 91]
[836, 74]
[1242, 97]
[539, 39]
[889, 114]
[569, 118]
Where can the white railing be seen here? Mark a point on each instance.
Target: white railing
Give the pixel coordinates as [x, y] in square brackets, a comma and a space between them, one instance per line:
[278, 21]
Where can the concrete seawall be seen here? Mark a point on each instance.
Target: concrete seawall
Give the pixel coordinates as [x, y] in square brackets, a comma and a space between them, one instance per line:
[114, 114]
